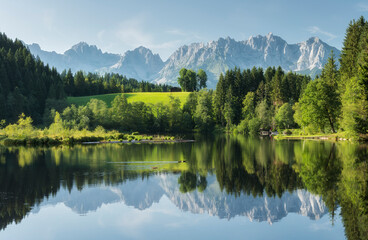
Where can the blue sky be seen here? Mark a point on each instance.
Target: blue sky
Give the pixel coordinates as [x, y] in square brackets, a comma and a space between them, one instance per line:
[117, 25]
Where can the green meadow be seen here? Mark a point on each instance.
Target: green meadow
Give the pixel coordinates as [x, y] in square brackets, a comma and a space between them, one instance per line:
[146, 97]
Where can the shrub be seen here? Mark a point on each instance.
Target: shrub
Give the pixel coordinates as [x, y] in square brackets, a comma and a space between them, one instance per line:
[243, 127]
[253, 126]
[287, 132]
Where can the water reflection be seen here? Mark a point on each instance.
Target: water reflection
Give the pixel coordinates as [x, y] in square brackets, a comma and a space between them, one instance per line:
[227, 176]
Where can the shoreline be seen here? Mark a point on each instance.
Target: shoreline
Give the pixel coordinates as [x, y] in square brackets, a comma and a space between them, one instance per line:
[92, 140]
[327, 137]
[136, 142]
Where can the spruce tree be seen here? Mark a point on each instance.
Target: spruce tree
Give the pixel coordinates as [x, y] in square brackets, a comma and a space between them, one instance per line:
[351, 48]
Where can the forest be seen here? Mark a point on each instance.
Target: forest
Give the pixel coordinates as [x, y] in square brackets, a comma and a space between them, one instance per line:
[29, 86]
[244, 101]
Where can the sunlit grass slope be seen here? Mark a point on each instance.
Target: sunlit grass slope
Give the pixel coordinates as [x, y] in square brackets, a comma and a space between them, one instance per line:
[146, 97]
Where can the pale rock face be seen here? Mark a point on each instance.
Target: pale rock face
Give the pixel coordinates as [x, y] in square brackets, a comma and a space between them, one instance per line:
[212, 201]
[140, 64]
[215, 57]
[81, 56]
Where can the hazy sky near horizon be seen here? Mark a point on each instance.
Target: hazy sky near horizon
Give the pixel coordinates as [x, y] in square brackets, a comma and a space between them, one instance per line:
[164, 25]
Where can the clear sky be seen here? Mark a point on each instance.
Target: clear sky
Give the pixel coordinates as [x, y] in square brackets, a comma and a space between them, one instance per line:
[163, 25]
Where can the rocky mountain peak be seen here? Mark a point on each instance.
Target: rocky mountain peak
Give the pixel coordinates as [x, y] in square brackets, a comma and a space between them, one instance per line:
[139, 63]
[83, 48]
[215, 57]
[34, 46]
[314, 40]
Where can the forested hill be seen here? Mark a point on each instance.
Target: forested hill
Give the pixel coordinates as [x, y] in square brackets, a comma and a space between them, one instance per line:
[29, 86]
[25, 82]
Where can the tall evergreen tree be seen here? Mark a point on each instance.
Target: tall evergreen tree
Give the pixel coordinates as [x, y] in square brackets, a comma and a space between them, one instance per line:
[352, 47]
[219, 101]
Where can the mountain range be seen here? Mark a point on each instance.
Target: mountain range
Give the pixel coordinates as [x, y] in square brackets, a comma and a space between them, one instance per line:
[215, 57]
[142, 194]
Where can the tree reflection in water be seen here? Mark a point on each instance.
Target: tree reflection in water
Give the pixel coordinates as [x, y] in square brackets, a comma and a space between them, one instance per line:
[338, 172]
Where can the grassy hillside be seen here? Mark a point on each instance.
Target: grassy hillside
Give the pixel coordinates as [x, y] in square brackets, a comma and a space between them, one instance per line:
[146, 97]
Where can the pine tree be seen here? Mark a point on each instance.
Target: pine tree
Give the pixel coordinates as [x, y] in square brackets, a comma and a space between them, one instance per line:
[276, 87]
[351, 48]
[354, 71]
[219, 100]
[229, 111]
[332, 102]
[80, 83]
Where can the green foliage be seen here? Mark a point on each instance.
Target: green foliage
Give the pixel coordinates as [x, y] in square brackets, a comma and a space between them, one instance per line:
[352, 47]
[203, 115]
[191, 81]
[189, 181]
[276, 86]
[353, 107]
[249, 106]
[264, 115]
[243, 127]
[190, 104]
[57, 127]
[175, 115]
[284, 116]
[2, 123]
[320, 106]
[298, 117]
[202, 78]
[229, 109]
[354, 79]
[100, 114]
[337, 172]
[22, 129]
[25, 82]
[320, 169]
[187, 80]
[82, 84]
[252, 93]
[254, 125]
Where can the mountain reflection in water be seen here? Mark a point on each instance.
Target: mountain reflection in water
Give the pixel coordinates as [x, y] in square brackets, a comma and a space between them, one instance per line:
[226, 176]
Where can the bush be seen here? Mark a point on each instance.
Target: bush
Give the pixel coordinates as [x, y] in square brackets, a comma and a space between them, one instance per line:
[253, 126]
[138, 138]
[287, 132]
[243, 127]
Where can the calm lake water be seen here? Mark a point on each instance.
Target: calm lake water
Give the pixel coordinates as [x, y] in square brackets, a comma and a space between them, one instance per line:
[228, 187]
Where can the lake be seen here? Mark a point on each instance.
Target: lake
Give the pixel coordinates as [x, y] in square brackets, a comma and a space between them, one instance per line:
[215, 188]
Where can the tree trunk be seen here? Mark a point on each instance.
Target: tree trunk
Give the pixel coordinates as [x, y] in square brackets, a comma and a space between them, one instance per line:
[330, 120]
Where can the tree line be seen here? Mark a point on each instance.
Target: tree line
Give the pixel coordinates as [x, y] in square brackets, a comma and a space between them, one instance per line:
[29, 86]
[338, 99]
[244, 100]
[86, 84]
[25, 82]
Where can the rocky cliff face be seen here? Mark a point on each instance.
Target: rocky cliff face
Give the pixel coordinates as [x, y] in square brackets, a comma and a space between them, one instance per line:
[261, 51]
[81, 56]
[214, 57]
[140, 63]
